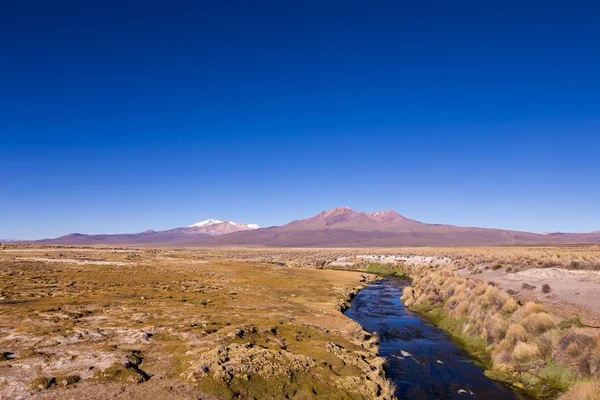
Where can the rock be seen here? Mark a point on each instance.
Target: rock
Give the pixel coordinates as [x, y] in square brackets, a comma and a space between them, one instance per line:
[42, 383]
[68, 380]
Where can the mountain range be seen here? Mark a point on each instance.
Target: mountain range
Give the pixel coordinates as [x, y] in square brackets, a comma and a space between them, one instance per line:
[340, 227]
[188, 235]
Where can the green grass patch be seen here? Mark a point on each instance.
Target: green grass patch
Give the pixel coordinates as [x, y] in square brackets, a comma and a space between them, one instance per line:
[474, 345]
[567, 323]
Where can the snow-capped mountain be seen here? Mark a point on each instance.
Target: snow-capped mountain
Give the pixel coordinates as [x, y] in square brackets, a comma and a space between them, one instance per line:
[206, 222]
[185, 235]
[212, 222]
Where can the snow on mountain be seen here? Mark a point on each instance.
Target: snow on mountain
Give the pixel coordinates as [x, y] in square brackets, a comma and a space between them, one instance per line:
[211, 221]
[207, 222]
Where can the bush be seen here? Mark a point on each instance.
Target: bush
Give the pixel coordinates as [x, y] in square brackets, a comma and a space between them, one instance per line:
[515, 333]
[546, 288]
[538, 323]
[547, 343]
[462, 310]
[408, 293]
[532, 308]
[575, 343]
[583, 391]
[510, 306]
[525, 352]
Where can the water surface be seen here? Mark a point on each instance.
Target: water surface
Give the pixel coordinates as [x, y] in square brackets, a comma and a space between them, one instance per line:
[422, 360]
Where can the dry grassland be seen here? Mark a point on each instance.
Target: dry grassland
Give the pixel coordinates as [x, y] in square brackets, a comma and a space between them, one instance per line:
[101, 323]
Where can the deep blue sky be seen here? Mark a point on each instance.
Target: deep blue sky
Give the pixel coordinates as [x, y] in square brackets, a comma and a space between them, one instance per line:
[119, 116]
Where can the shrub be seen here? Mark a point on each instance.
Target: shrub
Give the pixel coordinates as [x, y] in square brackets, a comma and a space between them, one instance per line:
[546, 288]
[510, 306]
[495, 328]
[538, 323]
[494, 297]
[547, 343]
[583, 391]
[532, 308]
[575, 343]
[462, 310]
[355, 330]
[496, 267]
[515, 333]
[481, 288]
[525, 352]
[408, 293]
[423, 298]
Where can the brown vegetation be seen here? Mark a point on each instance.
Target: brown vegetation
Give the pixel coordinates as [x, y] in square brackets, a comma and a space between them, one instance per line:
[523, 344]
[149, 320]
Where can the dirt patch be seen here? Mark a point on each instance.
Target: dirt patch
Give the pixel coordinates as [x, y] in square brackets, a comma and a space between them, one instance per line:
[569, 291]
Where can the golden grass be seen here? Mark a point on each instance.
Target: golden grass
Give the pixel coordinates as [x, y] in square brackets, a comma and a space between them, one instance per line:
[519, 340]
[539, 323]
[515, 333]
[510, 306]
[531, 308]
[583, 391]
[525, 352]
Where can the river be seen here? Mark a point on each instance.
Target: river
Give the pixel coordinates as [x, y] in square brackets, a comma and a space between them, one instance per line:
[422, 360]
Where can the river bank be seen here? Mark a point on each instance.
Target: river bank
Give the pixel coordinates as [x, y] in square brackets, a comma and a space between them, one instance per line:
[422, 361]
[522, 345]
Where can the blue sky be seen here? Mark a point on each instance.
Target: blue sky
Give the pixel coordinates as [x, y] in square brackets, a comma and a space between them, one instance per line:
[124, 116]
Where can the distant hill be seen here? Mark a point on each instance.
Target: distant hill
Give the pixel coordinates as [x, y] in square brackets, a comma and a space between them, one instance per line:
[340, 227]
[180, 236]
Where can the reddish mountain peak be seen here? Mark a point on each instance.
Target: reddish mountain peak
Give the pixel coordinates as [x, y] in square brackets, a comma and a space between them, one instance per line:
[326, 218]
[338, 211]
[346, 218]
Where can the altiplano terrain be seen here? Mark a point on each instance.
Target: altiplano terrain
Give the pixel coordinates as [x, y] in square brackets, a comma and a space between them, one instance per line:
[340, 227]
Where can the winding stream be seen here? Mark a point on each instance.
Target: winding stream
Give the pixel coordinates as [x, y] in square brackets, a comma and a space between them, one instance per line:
[422, 360]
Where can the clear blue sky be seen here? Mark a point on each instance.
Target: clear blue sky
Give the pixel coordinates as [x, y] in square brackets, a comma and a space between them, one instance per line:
[119, 116]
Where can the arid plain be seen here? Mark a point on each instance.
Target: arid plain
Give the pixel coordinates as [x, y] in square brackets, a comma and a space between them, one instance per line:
[118, 322]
